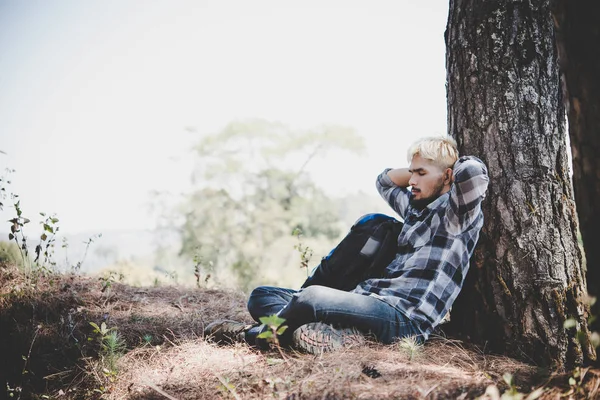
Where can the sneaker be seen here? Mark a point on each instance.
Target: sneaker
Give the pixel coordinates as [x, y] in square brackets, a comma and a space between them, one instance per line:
[317, 338]
[226, 331]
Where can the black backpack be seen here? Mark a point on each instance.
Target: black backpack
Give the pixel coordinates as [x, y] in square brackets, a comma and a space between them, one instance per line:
[364, 253]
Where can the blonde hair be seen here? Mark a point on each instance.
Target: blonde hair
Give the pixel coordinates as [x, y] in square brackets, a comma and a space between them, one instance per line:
[439, 149]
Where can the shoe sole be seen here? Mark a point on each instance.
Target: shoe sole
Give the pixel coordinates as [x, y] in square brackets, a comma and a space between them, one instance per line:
[318, 338]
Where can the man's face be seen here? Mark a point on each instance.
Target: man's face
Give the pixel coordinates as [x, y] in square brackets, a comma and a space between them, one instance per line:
[426, 181]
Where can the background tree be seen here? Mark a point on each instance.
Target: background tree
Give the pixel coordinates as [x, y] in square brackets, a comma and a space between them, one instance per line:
[578, 23]
[505, 105]
[251, 191]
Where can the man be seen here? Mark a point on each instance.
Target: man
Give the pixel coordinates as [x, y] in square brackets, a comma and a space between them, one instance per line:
[442, 219]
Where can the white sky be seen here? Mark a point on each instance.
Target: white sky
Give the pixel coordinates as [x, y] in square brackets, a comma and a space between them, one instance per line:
[95, 95]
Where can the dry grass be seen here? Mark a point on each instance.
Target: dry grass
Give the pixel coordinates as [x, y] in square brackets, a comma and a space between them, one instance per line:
[168, 358]
[442, 369]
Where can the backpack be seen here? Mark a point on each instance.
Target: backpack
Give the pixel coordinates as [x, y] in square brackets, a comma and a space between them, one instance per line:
[364, 253]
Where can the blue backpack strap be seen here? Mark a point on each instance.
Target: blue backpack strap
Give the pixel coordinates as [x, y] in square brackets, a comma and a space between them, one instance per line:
[372, 216]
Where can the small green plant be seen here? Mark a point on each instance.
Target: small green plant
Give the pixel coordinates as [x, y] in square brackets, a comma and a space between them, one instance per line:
[112, 347]
[306, 252]
[42, 261]
[45, 246]
[101, 330]
[16, 233]
[172, 275]
[77, 267]
[275, 328]
[47, 241]
[147, 339]
[512, 393]
[17, 223]
[411, 346]
[18, 390]
[227, 387]
[576, 382]
[199, 263]
[107, 281]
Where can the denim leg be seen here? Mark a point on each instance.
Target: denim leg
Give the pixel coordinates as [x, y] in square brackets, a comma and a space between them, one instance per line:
[344, 309]
[268, 300]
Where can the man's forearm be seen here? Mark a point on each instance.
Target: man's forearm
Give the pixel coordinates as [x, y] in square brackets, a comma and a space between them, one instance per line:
[400, 176]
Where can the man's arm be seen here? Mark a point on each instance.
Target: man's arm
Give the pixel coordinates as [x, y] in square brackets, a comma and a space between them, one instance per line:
[469, 188]
[391, 185]
[400, 176]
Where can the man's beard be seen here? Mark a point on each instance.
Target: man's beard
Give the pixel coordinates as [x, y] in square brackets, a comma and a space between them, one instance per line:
[422, 203]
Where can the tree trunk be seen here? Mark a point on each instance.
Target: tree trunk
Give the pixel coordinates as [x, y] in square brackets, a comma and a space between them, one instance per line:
[578, 38]
[505, 106]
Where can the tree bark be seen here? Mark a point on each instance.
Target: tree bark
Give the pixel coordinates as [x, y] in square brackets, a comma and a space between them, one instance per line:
[505, 106]
[578, 39]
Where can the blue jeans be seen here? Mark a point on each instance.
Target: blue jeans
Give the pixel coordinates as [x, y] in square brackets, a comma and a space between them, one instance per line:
[332, 306]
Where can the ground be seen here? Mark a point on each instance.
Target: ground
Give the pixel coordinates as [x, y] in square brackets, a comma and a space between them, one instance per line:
[77, 337]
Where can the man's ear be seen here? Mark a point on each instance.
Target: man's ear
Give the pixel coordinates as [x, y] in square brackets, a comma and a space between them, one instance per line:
[448, 176]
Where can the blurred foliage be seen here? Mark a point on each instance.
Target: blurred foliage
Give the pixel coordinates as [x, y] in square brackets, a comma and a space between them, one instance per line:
[252, 190]
[10, 254]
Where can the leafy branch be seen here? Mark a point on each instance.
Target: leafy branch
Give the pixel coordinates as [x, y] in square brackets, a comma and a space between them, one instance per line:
[306, 252]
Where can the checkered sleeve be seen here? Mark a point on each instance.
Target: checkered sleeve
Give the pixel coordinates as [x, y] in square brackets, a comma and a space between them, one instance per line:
[468, 191]
[397, 197]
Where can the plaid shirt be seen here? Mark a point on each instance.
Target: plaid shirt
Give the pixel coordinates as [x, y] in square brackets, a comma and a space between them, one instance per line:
[434, 246]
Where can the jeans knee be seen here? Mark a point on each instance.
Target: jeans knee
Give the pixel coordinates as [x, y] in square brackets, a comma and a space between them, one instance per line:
[255, 300]
[311, 296]
[260, 291]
